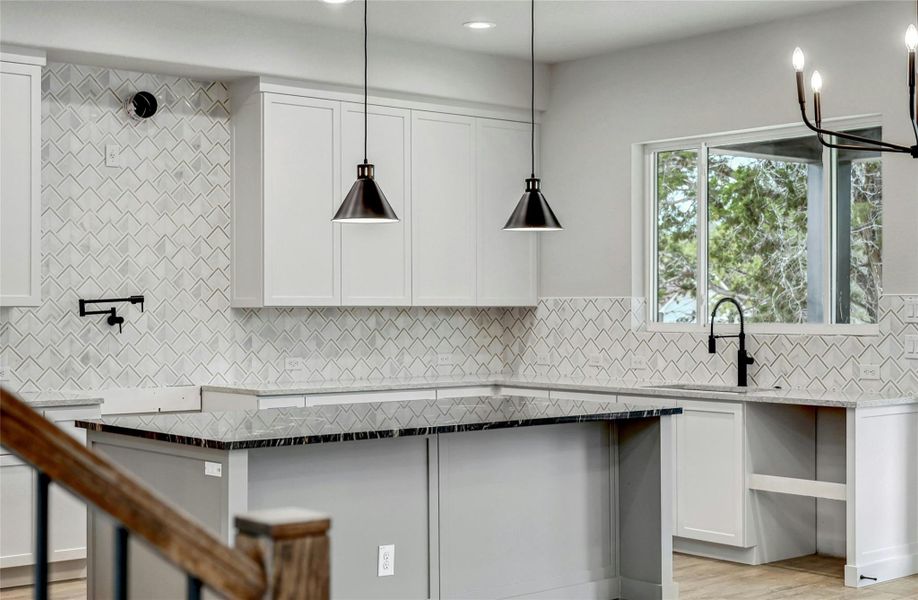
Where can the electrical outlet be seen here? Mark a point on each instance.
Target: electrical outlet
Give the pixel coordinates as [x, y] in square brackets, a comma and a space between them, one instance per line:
[213, 469]
[294, 364]
[543, 360]
[596, 360]
[911, 309]
[4, 372]
[869, 372]
[386, 561]
[639, 363]
[112, 155]
[911, 347]
[444, 360]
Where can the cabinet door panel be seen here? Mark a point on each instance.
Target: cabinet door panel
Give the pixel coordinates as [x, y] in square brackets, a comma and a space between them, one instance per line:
[443, 209]
[711, 472]
[16, 507]
[302, 182]
[376, 258]
[507, 269]
[20, 183]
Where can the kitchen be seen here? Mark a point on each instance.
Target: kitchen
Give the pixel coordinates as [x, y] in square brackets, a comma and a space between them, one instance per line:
[634, 126]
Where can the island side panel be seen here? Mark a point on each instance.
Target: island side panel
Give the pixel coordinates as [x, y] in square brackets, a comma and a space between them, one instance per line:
[176, 473]
[527, 512]
[645, 492]
[376, 492]
[882, 494]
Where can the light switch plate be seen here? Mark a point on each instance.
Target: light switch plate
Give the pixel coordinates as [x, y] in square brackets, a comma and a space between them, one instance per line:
[911, 309]
[213, 469]
[869, 372]
[911, 347]
[294, 364]
[386, 563]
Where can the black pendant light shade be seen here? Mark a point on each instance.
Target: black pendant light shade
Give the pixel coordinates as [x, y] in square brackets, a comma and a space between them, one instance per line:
[532, 212]
[365, 203]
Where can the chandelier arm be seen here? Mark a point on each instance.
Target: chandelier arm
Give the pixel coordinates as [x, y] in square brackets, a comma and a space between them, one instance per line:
[862, 148]
[912, 107]
[886, 146]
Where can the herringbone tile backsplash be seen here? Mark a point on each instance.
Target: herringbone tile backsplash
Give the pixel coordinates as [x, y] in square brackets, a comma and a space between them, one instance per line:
[159, 225]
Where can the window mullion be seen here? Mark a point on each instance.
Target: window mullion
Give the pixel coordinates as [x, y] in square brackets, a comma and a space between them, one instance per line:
[702, 228]
[829, 277]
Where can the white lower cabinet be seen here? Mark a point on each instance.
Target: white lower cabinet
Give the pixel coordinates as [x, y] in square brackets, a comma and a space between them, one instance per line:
[710, 472]
[17, 484]
[66, 513]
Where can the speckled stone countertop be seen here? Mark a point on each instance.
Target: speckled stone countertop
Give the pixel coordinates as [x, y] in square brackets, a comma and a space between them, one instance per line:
[572, 384]
[343, 422]
[39, 400]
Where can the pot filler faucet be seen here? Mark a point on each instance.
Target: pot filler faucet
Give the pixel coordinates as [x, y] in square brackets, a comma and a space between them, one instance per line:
[742, 357]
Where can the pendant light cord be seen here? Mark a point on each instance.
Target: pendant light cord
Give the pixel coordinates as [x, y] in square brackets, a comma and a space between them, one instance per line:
[365, 59]
[532, 81]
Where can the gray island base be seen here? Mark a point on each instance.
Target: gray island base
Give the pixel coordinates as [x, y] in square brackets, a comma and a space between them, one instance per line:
[490, 497]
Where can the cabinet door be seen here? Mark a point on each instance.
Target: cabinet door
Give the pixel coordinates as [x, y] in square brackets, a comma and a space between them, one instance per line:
[17, 486]
[507, 268]
[443, 209]
[710, 483]
[301, 193]
[67, 513]
[376, 258]
[20, 184]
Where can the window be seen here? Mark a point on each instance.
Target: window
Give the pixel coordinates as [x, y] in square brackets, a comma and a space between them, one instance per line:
[793, 230]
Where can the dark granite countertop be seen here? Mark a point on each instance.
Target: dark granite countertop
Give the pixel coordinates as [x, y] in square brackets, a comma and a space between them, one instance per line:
[238, 430]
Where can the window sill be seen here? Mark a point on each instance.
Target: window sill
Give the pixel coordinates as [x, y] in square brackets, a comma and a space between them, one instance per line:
[769, 329]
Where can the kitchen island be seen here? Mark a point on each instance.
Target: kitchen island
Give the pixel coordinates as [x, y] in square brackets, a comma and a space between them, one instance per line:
[481, 497]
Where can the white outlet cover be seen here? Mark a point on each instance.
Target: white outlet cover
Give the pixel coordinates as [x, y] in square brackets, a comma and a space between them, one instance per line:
[386, 562]
[543, 360]
[293, 364]
[4, 373]
[213, 469]
[639, 363]
[869, 372]
[911, 347]
[911, 309]
[444, 360]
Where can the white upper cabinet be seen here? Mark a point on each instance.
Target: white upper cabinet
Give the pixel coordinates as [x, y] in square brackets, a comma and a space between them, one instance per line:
[507, 261]
[376, 258]
[20, 181]
[286, 188]
[452, 179]
[443, 202]
[302, 169]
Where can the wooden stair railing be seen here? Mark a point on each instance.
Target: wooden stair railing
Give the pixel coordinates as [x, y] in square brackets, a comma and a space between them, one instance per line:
[279, 554]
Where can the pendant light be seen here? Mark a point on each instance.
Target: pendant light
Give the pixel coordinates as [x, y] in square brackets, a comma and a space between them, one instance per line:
[365, 203]
[532, 213]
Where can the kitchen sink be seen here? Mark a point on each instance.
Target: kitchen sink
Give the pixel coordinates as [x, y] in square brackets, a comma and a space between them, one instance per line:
[707, 387]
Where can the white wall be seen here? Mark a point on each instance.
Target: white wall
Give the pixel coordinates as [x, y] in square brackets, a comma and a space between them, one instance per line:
[194, 41]
[600, 106]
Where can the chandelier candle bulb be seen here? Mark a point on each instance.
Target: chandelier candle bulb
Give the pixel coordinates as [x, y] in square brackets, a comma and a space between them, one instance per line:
[911, 38]
[799, 61]
[816, 82]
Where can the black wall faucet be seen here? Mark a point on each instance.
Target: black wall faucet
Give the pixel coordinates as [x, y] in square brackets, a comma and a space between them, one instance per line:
[113, 318]
[742, 357]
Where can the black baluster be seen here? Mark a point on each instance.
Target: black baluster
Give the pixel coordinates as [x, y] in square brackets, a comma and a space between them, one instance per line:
[121, 562]
[194, 588]
[41, 536]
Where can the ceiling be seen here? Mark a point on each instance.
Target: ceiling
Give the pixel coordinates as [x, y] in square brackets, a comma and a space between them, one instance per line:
[566, 29]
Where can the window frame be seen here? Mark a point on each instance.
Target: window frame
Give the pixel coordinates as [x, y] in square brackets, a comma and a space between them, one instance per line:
[702, 144]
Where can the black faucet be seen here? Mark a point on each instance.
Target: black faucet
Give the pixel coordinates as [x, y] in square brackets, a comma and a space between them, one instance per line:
[743, 358]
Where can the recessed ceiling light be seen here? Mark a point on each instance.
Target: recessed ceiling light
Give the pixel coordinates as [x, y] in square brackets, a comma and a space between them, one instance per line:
[336, 1]
[479, 25]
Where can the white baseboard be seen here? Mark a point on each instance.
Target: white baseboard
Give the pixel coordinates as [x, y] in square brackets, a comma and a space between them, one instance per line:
[603, 589]
[880, 571]
[57, 571]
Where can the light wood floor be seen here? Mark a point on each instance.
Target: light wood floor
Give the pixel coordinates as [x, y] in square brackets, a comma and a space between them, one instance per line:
[807, 578]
